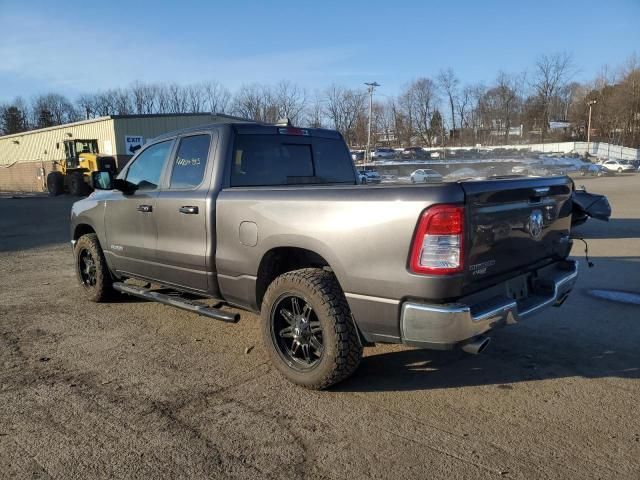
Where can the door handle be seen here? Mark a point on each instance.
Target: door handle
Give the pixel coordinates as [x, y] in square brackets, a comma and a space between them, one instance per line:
[145, 208]
[189, 210]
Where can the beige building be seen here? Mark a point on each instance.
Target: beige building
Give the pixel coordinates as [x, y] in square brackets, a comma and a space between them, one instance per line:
[26, 158]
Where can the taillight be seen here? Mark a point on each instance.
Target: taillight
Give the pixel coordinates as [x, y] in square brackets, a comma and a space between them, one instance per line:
[438, 245]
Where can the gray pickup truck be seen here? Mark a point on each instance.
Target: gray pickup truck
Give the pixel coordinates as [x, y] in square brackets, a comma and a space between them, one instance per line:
[272, 219]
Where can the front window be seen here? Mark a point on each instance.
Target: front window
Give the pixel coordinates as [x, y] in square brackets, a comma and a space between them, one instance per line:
[145, 171]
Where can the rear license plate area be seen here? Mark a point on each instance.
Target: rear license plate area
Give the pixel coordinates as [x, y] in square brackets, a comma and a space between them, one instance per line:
[518, 288]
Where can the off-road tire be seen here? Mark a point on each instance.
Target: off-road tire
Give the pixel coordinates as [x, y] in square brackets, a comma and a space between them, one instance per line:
[102, 290]
[77, 185]
[55, 183]
[342, 348]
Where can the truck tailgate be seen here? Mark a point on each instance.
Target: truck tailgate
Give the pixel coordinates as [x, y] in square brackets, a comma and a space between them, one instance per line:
[514, 225]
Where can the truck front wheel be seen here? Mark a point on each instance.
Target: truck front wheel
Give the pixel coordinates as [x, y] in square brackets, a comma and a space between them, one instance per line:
[307, 329]
[91, 268]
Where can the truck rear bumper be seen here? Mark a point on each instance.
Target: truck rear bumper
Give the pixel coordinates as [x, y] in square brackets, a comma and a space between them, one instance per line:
[443, 327]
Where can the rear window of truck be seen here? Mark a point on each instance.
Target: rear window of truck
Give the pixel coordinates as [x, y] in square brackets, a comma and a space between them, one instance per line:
[264, 160]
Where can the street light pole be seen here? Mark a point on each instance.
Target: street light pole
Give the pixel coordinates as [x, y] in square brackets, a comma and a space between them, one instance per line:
[371, 87]
[591, 103]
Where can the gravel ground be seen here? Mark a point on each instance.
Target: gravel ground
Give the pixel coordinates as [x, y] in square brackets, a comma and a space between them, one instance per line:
[140, 390]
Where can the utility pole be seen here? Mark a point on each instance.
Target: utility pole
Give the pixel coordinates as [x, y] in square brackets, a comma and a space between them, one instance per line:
[591, 103]
[370, 87]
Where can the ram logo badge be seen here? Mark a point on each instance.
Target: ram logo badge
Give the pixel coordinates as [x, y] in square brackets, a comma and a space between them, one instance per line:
[535, 224]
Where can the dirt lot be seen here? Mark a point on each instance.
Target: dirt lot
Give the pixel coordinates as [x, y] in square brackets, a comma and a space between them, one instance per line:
[140, 390]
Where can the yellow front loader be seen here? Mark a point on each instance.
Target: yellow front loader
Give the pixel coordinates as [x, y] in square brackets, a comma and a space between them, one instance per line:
[81, 159]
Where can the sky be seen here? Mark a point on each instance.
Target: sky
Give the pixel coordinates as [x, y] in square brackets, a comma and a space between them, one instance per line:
[74, 47]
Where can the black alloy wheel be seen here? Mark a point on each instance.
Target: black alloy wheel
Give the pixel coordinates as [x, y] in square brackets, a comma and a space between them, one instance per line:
[87, 269]
[296, 332]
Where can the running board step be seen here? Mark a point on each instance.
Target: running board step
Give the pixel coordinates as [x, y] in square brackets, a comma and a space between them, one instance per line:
[176, 301]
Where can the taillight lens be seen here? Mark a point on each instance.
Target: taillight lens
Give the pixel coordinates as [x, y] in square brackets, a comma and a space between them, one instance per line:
[438, 247]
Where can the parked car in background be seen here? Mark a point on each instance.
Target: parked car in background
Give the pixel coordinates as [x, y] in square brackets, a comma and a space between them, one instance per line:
[414, 152]
[426, 175]
[592, 169]
[618, 166]
[357, 155]
[462, 174]
[630, 163]
[369, 176]
[383, 153]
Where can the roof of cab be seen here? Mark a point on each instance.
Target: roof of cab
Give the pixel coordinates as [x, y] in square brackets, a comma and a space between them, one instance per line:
[248, 127]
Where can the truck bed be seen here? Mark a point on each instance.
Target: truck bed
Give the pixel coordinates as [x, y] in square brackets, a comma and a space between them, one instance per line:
[365, 233]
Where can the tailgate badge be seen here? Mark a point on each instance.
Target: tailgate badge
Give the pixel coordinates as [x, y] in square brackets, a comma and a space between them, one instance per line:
[535, 224]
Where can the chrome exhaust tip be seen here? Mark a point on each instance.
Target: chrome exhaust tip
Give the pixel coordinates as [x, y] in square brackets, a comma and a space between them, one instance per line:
[477, 345]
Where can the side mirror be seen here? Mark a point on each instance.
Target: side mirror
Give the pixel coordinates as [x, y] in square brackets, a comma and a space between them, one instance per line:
[102, 180]
[105, 180]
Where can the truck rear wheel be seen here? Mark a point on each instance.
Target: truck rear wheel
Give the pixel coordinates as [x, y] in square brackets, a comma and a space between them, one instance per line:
[77, 185]
[91, 268]
[307, 329]
[55, 183]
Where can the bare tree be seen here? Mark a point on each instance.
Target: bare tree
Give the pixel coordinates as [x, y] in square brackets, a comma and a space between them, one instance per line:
[315, 112]
[13, 117]
[178, 98]
[552, 72]
[52, 109]
[85, 105]
[448, 82]
[500, 104]
[420, 100]
[195, 98]
[478, 114]
[344, 108]
[402, 128]
[251, 101]
[464, 104]
[122, 102]
[143, 97]
[290, 101]
[218, 98]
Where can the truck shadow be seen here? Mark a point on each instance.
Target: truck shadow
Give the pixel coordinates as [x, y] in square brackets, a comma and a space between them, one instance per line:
[502, 366]
[587, 337]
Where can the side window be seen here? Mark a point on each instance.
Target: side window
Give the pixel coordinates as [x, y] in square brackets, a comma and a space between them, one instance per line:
[190, 162]
[144, 173]
[332, 160]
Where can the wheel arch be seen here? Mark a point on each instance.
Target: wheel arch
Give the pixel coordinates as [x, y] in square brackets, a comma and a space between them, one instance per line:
[82, 229]
[279, 260]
